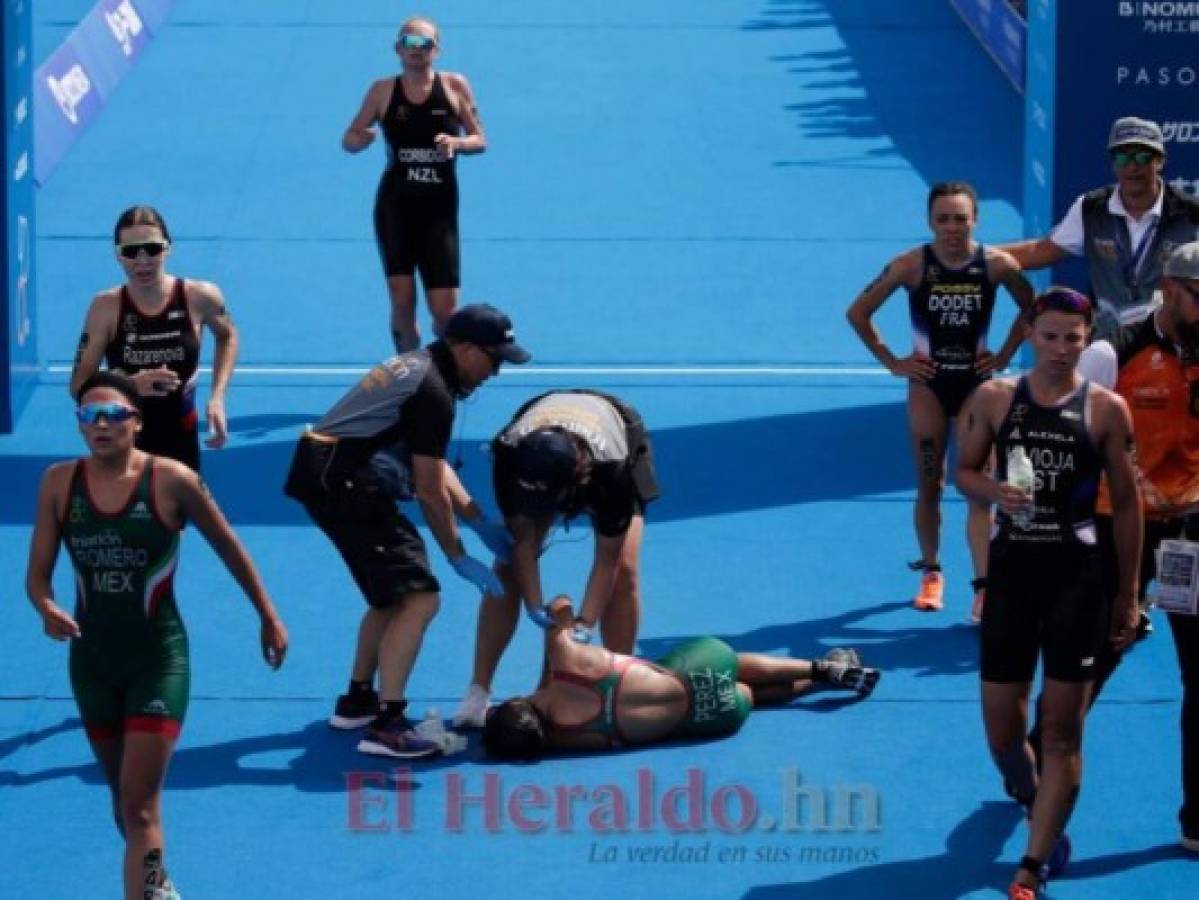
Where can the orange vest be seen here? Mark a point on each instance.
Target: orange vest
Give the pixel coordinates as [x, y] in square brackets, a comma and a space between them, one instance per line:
[1162, 391]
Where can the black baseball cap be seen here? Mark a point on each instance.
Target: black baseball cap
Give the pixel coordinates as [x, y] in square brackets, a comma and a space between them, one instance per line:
[545, 471]
[485, 326]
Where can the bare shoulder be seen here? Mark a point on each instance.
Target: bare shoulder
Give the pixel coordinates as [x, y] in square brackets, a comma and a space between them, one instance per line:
[56, 481]
[460, 93]
[903, 269]
[57, 476]
[908, 266]
[1000, 262]
[1002, 387]
[195, 287]
[203, 295]
[1107, 407]
[378, 95]
[172, 474]
[994, 395]
[456, 81]
[106, 304]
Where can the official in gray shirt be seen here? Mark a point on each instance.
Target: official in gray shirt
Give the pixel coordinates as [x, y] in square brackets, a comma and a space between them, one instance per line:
[385, 441]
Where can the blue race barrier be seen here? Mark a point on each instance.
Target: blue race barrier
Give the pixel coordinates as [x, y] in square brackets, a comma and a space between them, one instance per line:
[1001, 31]
[18, 344]
[76, 80]
[1089, 63]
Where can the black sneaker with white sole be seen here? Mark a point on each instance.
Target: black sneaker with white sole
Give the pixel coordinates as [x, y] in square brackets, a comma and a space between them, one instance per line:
[355, 710]
[396, 737]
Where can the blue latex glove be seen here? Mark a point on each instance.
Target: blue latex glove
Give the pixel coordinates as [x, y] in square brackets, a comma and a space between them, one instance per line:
[479, 575]
[540, 616]
[494, 535]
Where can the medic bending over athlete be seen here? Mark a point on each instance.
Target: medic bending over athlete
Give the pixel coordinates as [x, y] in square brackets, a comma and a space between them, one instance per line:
[595, 699]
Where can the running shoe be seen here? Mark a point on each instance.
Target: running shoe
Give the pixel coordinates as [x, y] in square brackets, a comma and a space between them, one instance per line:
[854, 678]
[843, 656]
[395, 737]
[472, 711]
[1021, 892]
[167, 892]
[355, 710]
[932, 586]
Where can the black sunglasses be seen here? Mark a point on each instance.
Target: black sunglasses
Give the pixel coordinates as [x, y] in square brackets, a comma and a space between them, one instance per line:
[152, 249]
[1122, 159]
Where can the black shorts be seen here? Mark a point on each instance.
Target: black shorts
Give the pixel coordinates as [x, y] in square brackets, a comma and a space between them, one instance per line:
[172, 440]
[1047, 600]
[951, 390]
[380, 546]
[418, 234]
[642, 472]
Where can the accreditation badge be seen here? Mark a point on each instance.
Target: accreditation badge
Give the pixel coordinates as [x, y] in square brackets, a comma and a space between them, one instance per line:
[1178, 577]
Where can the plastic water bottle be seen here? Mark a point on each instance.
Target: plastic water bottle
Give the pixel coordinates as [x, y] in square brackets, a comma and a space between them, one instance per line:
[1021, 476]
[431, 728]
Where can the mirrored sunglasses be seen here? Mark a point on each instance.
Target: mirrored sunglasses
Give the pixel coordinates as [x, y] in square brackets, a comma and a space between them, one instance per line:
[416, 42]
[1122, 159]
[152, 249]
[115, 413]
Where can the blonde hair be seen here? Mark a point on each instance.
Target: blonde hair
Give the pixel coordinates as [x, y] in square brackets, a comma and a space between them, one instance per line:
[412, 20]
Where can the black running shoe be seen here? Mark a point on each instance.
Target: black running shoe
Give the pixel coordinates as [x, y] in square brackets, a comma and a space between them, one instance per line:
[396, 737]
[1190, 839]
[355, 710]
[859, 679]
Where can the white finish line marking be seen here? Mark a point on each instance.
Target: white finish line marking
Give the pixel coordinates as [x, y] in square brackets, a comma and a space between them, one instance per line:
[516, 371]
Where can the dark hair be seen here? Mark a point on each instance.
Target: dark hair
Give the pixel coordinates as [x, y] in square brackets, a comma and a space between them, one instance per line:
[120, 383]
[1065, 300]
[547, 470]
[950, 189]
[515, 730]
[140, 215]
